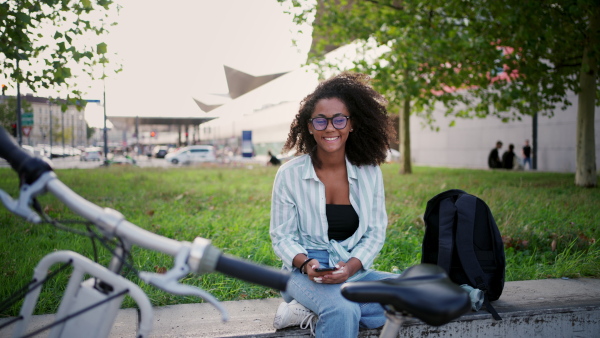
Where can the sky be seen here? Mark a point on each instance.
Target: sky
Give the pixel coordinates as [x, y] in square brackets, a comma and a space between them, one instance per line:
[173, 51]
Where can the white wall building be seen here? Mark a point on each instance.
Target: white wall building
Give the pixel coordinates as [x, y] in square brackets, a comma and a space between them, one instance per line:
[268, 111]
[468, 143]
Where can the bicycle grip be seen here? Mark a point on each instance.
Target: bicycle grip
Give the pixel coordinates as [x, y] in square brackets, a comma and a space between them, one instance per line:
[252, 272]
[26, 165]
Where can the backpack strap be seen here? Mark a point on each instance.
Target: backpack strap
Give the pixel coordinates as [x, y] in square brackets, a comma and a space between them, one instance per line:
[446, 237]
[465, 206]
[490, 308]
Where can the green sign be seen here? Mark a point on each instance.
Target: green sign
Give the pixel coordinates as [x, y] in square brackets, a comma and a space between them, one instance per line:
[27, 119]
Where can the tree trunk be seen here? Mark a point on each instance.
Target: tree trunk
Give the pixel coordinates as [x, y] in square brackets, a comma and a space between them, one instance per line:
[585, 174]
[405, 166]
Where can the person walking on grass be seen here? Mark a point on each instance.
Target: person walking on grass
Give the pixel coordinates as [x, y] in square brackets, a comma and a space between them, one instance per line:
[328, 206]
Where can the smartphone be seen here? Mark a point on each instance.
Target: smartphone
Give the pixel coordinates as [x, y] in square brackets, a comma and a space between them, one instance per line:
[325, 269]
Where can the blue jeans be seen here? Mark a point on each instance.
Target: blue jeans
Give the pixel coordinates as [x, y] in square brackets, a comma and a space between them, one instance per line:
[338, 317]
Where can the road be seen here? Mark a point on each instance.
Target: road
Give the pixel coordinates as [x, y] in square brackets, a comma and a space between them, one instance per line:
[75, 163]
[141, 161]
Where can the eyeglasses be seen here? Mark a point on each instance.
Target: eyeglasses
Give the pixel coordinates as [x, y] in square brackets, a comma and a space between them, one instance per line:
[338, 122]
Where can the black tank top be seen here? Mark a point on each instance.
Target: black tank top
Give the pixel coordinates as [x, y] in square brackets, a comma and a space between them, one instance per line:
[343, 221]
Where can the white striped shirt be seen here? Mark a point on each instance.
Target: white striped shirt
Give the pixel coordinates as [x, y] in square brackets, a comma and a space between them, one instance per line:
[299, 221]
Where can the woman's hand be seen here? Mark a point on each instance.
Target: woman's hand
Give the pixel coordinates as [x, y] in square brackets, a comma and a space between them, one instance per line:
[325, 276]
[343, 272]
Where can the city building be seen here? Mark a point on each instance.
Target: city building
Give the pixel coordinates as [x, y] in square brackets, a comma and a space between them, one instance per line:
[49, 120]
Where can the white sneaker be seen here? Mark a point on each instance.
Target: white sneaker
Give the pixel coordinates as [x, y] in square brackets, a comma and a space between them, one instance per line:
[294, 314]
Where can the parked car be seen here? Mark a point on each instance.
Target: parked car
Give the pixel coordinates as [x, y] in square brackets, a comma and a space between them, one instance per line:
[57, 151]
[37, 151]
[161, 151]
[29, 149]
[70, 151]
[122, 160]
[193, 154]
[91, 154]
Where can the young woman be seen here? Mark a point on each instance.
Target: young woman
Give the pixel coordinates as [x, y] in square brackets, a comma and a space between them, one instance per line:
[328, 206]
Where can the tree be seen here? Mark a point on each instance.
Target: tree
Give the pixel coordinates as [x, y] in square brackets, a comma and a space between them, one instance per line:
[556, 50]
[39, 60]
[503, 58]
[89, 131]
[8, 111]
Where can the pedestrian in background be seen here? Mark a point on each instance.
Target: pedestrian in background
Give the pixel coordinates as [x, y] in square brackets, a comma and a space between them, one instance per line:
[494, 161]
[509, 159]
[526, 152]
[273, 160]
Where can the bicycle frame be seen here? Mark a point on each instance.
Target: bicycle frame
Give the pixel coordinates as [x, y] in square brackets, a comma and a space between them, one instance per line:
[81, 295]
[89, 307]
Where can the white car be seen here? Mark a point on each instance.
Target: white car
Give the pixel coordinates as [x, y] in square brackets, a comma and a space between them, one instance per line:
[37, 151]
[191, 154]
[91, 154]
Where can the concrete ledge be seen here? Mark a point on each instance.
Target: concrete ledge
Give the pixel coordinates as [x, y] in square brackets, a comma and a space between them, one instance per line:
[539, 308]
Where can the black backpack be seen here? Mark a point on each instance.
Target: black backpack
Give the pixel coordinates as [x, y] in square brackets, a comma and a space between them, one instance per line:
[462, 237]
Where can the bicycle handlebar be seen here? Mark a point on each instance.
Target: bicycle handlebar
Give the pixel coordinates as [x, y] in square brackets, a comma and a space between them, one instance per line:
[205, 259]
[251, 272]
[29, 167]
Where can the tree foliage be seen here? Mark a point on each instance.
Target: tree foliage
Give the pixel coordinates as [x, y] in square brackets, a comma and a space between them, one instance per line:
[8, 111]
[504, 58]
[40, 41]
[89, 131]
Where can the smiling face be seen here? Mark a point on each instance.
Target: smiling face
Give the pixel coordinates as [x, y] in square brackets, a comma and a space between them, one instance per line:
[330, 140]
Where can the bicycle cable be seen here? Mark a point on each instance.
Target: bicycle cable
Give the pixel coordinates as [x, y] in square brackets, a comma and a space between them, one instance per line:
[90, 234]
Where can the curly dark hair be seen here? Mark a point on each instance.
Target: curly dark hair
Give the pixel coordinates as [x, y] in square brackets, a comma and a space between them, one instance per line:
[369, 142]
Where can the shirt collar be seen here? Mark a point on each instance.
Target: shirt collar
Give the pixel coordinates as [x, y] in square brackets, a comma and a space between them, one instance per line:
[310, 173]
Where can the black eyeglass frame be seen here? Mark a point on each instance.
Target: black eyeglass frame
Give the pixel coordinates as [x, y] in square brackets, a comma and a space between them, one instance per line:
[329, 119]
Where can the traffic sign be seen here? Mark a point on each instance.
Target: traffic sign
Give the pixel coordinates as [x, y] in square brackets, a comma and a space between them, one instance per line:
[26, 130]
[27, 119]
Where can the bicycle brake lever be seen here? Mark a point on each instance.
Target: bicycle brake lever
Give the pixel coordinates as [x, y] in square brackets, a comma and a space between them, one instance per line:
[27, 193]
[168, 281]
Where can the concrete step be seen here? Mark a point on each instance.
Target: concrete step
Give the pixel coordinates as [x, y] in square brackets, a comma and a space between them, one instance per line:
[537, 308]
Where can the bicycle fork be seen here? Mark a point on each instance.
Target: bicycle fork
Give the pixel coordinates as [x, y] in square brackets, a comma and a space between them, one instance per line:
[392, 324]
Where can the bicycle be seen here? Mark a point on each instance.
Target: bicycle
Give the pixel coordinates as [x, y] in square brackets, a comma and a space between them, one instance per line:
[89, 307]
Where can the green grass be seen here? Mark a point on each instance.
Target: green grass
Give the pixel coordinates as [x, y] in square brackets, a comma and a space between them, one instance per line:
[549, 225]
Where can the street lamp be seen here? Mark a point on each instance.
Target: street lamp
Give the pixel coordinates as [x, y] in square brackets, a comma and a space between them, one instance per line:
[62, 131]
[82, 133]
[101, 49]
[51, 123]
[72, 130]
[19, 121]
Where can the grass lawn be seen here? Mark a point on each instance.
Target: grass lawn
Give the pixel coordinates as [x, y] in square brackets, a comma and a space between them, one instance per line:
[549, 225]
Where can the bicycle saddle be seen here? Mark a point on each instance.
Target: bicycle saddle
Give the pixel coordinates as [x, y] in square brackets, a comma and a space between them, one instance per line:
[423, 291]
